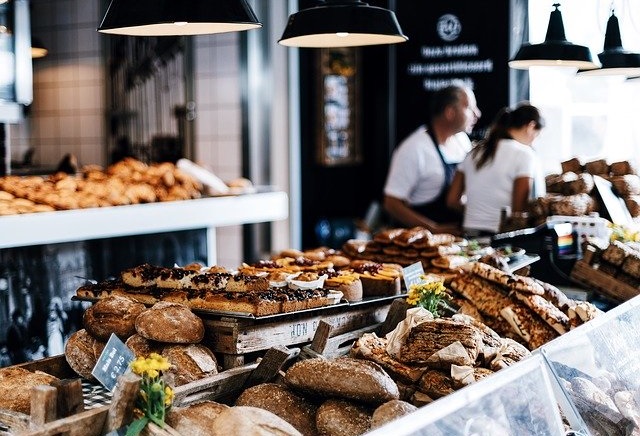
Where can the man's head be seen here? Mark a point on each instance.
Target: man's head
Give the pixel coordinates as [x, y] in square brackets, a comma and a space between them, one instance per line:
[455, 108]
[17, 316]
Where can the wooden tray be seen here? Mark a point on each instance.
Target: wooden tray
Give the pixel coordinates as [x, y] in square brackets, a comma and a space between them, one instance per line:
[587, 275]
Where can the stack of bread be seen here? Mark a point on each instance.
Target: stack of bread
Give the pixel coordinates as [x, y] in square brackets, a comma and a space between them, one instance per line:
[618, 259]
[340, 397]
[129, 181]
[169, 329]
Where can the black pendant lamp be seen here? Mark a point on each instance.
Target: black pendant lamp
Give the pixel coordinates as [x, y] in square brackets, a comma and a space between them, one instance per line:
[177, 17]
[342, 23]
[555, 50]
[614, 59]
[38, 50]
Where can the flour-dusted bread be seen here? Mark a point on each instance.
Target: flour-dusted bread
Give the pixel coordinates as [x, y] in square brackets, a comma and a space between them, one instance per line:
[15, 387]
[170, 322]
[196, 419]
[113, 314]
[190, 362]
[345, 377]
[390, 411]
[250, 421]
[342, 418]
[143, 347]
[278, 399]
[82, 352]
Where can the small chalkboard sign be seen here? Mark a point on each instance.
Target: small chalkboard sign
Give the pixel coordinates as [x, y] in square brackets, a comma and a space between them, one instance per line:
[113, 362]
[412, 274]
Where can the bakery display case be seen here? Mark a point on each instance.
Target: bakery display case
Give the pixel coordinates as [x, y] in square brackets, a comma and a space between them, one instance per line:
[518, 400]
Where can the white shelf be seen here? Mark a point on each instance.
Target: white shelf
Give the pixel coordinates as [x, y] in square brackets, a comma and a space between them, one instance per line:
[96, 223]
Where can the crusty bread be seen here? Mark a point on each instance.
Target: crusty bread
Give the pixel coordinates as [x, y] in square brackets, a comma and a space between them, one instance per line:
[196, 419]
[278, 399]
[390, 411]
[349, 378]
[190, 362]
[342, 418]
[143, 347]
[15, 387]
[250, 421]
[170, 322]
[82, 352]
[113, 314]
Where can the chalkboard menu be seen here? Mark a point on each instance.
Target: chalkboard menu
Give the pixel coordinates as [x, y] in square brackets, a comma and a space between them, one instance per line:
[463, 40]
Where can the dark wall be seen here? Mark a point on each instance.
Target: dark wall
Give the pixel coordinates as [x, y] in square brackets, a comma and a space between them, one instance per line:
[392, 100]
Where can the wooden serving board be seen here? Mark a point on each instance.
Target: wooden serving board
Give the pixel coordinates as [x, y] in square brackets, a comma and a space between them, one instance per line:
[589, 276]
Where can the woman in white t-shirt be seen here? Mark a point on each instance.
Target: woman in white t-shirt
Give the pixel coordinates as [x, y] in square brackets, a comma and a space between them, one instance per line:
[498, 172]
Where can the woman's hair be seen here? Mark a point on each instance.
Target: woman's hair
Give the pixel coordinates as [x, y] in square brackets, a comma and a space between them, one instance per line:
[506, 119]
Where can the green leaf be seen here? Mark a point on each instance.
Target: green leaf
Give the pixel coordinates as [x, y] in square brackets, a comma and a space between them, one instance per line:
[137, 426]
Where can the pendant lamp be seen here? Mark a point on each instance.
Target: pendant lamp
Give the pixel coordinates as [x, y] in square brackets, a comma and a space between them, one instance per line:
[342, 23]
[614, 59]
[555, 50]
[38, 50]
[177, 17]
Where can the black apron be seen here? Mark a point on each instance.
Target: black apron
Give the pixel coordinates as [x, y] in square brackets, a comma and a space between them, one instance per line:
[437, 209]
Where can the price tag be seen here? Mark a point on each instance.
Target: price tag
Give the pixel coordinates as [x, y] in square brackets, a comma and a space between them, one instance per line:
[412, 274]
[113, 362]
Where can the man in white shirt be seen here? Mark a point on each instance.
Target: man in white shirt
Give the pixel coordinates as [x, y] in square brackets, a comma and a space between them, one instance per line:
[423, 165]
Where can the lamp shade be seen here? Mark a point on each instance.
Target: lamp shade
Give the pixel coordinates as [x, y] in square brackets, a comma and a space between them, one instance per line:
[555, 50]
[177, 17]
[38, 50]
[342, 23]
[614, 59]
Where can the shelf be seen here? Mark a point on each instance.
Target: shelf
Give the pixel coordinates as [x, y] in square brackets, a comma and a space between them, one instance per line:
[96, 223]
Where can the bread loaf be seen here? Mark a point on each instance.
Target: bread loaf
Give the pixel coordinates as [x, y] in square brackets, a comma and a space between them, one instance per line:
[250, 421]
[195, 420]
[621, 168]
[626, 185]
[15, 387]
[599, 166]
[342, 418]
[190, 362]
[170, 322]
[348, 378]
[573, 165]
[112, 315]
[143, 347]
[390, 411]
[82, 352]
[279, 400]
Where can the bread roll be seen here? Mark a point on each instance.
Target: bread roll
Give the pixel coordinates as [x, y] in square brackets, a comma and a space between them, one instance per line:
[143, 347]
[195, 420]
[170, 322]
[112, 315]
[346, 377]
[250, 421]
[190, 362]
[82, 352]
[390, 411]
[342, 418]
[277, 399]
[573, 165]
[15, 387]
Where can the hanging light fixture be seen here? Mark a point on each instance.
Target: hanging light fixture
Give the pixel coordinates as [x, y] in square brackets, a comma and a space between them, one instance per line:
[342, 23]
[614, 59]
[177, 17]
[38, 50]
[555, 50]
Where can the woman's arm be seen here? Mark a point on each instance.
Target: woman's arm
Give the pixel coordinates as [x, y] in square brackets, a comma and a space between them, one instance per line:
[520, 195]
[456, 190]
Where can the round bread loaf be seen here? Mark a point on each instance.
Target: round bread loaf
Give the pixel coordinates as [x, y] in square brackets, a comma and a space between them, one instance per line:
[143, 347]
[190, 362]
[390, 411]
[279, 400]
[342, 418]
[351, 291]
[113, 314]
[348, 378]
[195, 420]
[171, 323]
[82, 352]
[15, 387]
[250, 421]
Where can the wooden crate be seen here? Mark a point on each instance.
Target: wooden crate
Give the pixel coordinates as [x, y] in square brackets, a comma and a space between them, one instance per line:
[588, 275]
[236, 337]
